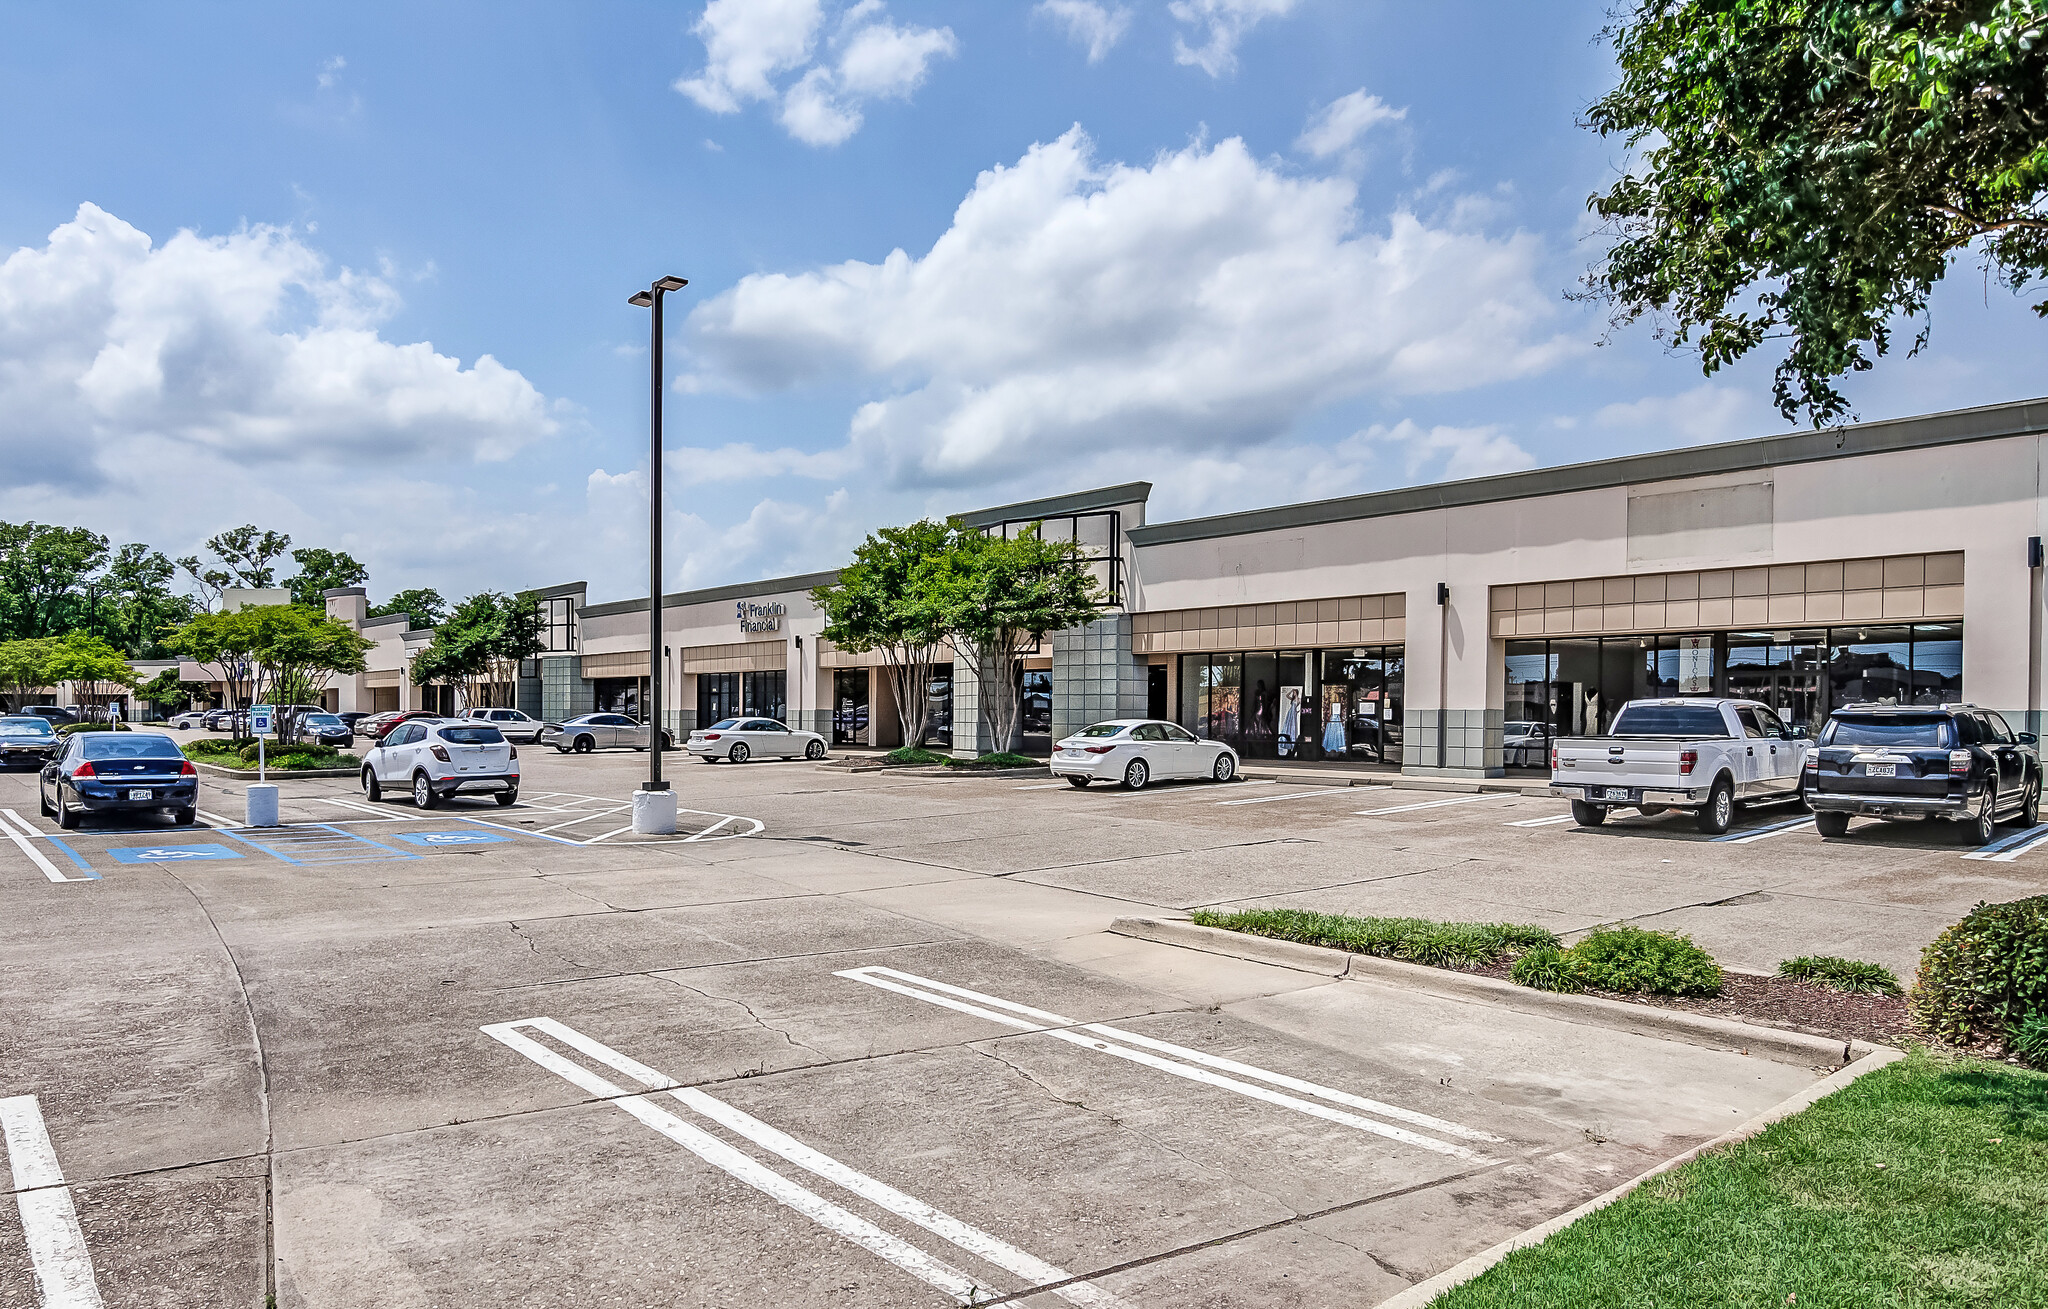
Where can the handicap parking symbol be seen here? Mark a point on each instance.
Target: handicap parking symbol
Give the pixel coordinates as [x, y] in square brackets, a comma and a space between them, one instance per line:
[470, 837]
[170, 854]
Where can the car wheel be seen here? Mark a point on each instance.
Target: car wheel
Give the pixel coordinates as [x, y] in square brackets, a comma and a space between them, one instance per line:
[668, 741]
[2030, 804]
[423, 792]
[1832, 824]
[43, 802]
[1226, 767]
[1136, 775]
[739, 752]
[1588, 815]
[1800, 805]
[373, 790]
[506, 799]
[1718, 814]
[561, 749]
[585, 744]
[67, 818]
[1078, 782]
[185, 817]
[815, 750]
[1979, 828]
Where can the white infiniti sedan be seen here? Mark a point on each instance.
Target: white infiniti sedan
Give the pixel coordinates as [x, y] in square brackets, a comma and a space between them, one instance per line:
[737, 740]
[1138, 751]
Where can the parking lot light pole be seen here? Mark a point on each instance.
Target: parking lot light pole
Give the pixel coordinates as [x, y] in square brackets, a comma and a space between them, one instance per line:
[654, 804]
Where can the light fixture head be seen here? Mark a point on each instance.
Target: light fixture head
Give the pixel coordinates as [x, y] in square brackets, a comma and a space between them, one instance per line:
[671, 283]
[645, 299]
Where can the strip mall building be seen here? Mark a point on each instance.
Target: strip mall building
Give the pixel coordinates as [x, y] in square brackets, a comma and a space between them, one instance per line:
[1444, 630]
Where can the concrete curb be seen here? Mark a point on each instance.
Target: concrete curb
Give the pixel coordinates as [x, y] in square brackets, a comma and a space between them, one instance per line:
[1397, 782]
[249, 774]
[1772, 1043]
[1422, 1293]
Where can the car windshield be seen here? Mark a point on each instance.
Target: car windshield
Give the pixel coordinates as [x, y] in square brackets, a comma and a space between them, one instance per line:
[1524, 729]
[126, 745]
[324, 720]
[25, 727]
[724, 725]
[1906, 733]
[479, 735]
[1669, 720]
[1102, 729]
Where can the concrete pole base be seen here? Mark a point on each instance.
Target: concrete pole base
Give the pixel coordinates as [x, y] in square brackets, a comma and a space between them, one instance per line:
[262, 804]
[654, 813]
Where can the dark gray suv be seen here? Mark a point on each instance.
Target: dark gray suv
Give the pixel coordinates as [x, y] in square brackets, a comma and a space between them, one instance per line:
[1954, 761]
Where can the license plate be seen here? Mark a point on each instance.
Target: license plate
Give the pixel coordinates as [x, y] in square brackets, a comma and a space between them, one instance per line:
[1880, 770]
[1615, 793]
[139, 795]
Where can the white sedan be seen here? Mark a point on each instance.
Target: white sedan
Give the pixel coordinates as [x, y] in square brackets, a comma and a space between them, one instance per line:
[1136, 751]
[737, 740]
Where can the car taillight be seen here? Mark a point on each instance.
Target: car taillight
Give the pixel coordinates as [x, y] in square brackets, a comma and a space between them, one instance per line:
[1812, 762]
[1098, 749]
[512, 752]
[712, 736]
[1553, 758]
[1959, 763]
[84, 770]
[441, 753]
[1686, 760]
[187, 770]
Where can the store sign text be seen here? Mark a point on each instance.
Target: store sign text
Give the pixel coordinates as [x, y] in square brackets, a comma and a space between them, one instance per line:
[761, 618]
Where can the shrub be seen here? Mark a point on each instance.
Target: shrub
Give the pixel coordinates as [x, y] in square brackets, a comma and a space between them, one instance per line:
[915, 754]
[1001, 759]
[210, 745]
[2030, 1040]
[72, 729]
[1986, 975]
[1417, 940]
[1546, 969]
[1851, 975]
[1634, 960]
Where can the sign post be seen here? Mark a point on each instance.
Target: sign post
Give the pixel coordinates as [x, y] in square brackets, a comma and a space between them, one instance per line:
[262, 795]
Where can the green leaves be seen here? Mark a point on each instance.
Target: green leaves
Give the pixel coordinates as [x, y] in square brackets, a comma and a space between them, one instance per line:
[480, 642]
[1988, 974]
[1807, 169]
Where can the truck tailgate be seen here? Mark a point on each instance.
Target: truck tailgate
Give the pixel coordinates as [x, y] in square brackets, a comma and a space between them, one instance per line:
[1648, 762]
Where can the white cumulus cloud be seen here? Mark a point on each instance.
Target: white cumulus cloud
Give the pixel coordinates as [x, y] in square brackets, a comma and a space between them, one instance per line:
[1196, 304]
[1459, 451]
[1093, 26]
[1337, 126]
[115, 351]
[1220, 25]
[750, 45]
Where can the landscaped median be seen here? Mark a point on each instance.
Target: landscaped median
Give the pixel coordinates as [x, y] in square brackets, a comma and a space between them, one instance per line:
[235, 758]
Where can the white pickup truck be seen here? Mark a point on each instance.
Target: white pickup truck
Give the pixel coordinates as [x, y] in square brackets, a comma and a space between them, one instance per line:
[1705, 755]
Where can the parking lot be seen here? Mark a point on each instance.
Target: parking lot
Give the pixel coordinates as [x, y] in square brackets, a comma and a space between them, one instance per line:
[856, 1038]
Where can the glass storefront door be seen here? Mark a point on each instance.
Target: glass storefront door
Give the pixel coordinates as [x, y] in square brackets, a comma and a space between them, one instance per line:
[718, 697]
[850, 706]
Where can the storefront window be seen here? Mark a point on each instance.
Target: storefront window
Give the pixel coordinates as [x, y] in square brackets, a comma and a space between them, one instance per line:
[939, 704]
[765, 694]
[718, 697]
[1937, 663]
[1297, 704]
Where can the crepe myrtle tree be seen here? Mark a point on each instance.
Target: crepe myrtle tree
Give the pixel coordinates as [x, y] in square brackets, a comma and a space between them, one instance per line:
[98, 670]
[886, 602]
[1805, 171]
[21, 669]
[267, 650]
[480, 644]
[1002, 596]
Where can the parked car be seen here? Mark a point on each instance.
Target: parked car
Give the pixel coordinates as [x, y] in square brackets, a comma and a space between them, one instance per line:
[515, 725]
[354, 716]
[26, 739]
[435, 759]
[1136, 751]
[1709, 756]
[377, 726]
[118, 772]
[50, 713]
[326, 729]
[737, 740]
[1955, 762]
[190, 720]
[1525, 744]
[226, 720]
[600, 731]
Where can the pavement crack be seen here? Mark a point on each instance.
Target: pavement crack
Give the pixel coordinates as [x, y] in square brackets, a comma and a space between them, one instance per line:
[748, 1009]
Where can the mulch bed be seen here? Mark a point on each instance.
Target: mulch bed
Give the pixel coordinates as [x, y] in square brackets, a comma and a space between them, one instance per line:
[1781, 1002]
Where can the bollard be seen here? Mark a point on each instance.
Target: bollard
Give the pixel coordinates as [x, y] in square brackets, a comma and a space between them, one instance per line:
[654, 813]
[263, 805]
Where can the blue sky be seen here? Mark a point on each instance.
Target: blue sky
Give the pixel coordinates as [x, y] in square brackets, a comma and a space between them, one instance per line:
[943, 256]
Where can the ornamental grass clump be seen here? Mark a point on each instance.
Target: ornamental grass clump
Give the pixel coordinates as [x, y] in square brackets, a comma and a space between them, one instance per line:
[1986, 976]
[1836, 974]
[1415, 940]
[1626, 960]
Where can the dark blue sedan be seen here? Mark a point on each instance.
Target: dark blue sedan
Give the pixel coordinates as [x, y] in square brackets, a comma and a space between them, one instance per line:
[118, 772]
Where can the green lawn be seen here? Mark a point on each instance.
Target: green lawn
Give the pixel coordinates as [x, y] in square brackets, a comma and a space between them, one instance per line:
[1924, 1183]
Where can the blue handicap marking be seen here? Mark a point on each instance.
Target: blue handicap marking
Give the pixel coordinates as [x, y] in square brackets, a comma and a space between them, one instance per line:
[169, 854]
[470, 837]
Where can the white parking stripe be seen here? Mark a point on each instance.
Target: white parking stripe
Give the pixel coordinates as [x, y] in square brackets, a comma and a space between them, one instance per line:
[49, 1223]
[1292, 795]
[1058, 1027]
[1765, 834]
[225, 824]
[1427, 804]
[28, 848]
[1044, 786]
[1541, 822]
[698, 836]
[2012, 847]
[904, 1255]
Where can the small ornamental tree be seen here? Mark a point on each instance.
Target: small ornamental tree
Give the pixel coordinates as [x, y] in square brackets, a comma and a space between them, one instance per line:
[886, 602]
[1002, 596]
[266, 648]
[301, 650]
[481, 644]
[21, 668]
[165, 690]
[97, 669]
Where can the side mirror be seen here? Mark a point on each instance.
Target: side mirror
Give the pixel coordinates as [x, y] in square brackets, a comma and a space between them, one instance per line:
[2028, 738]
